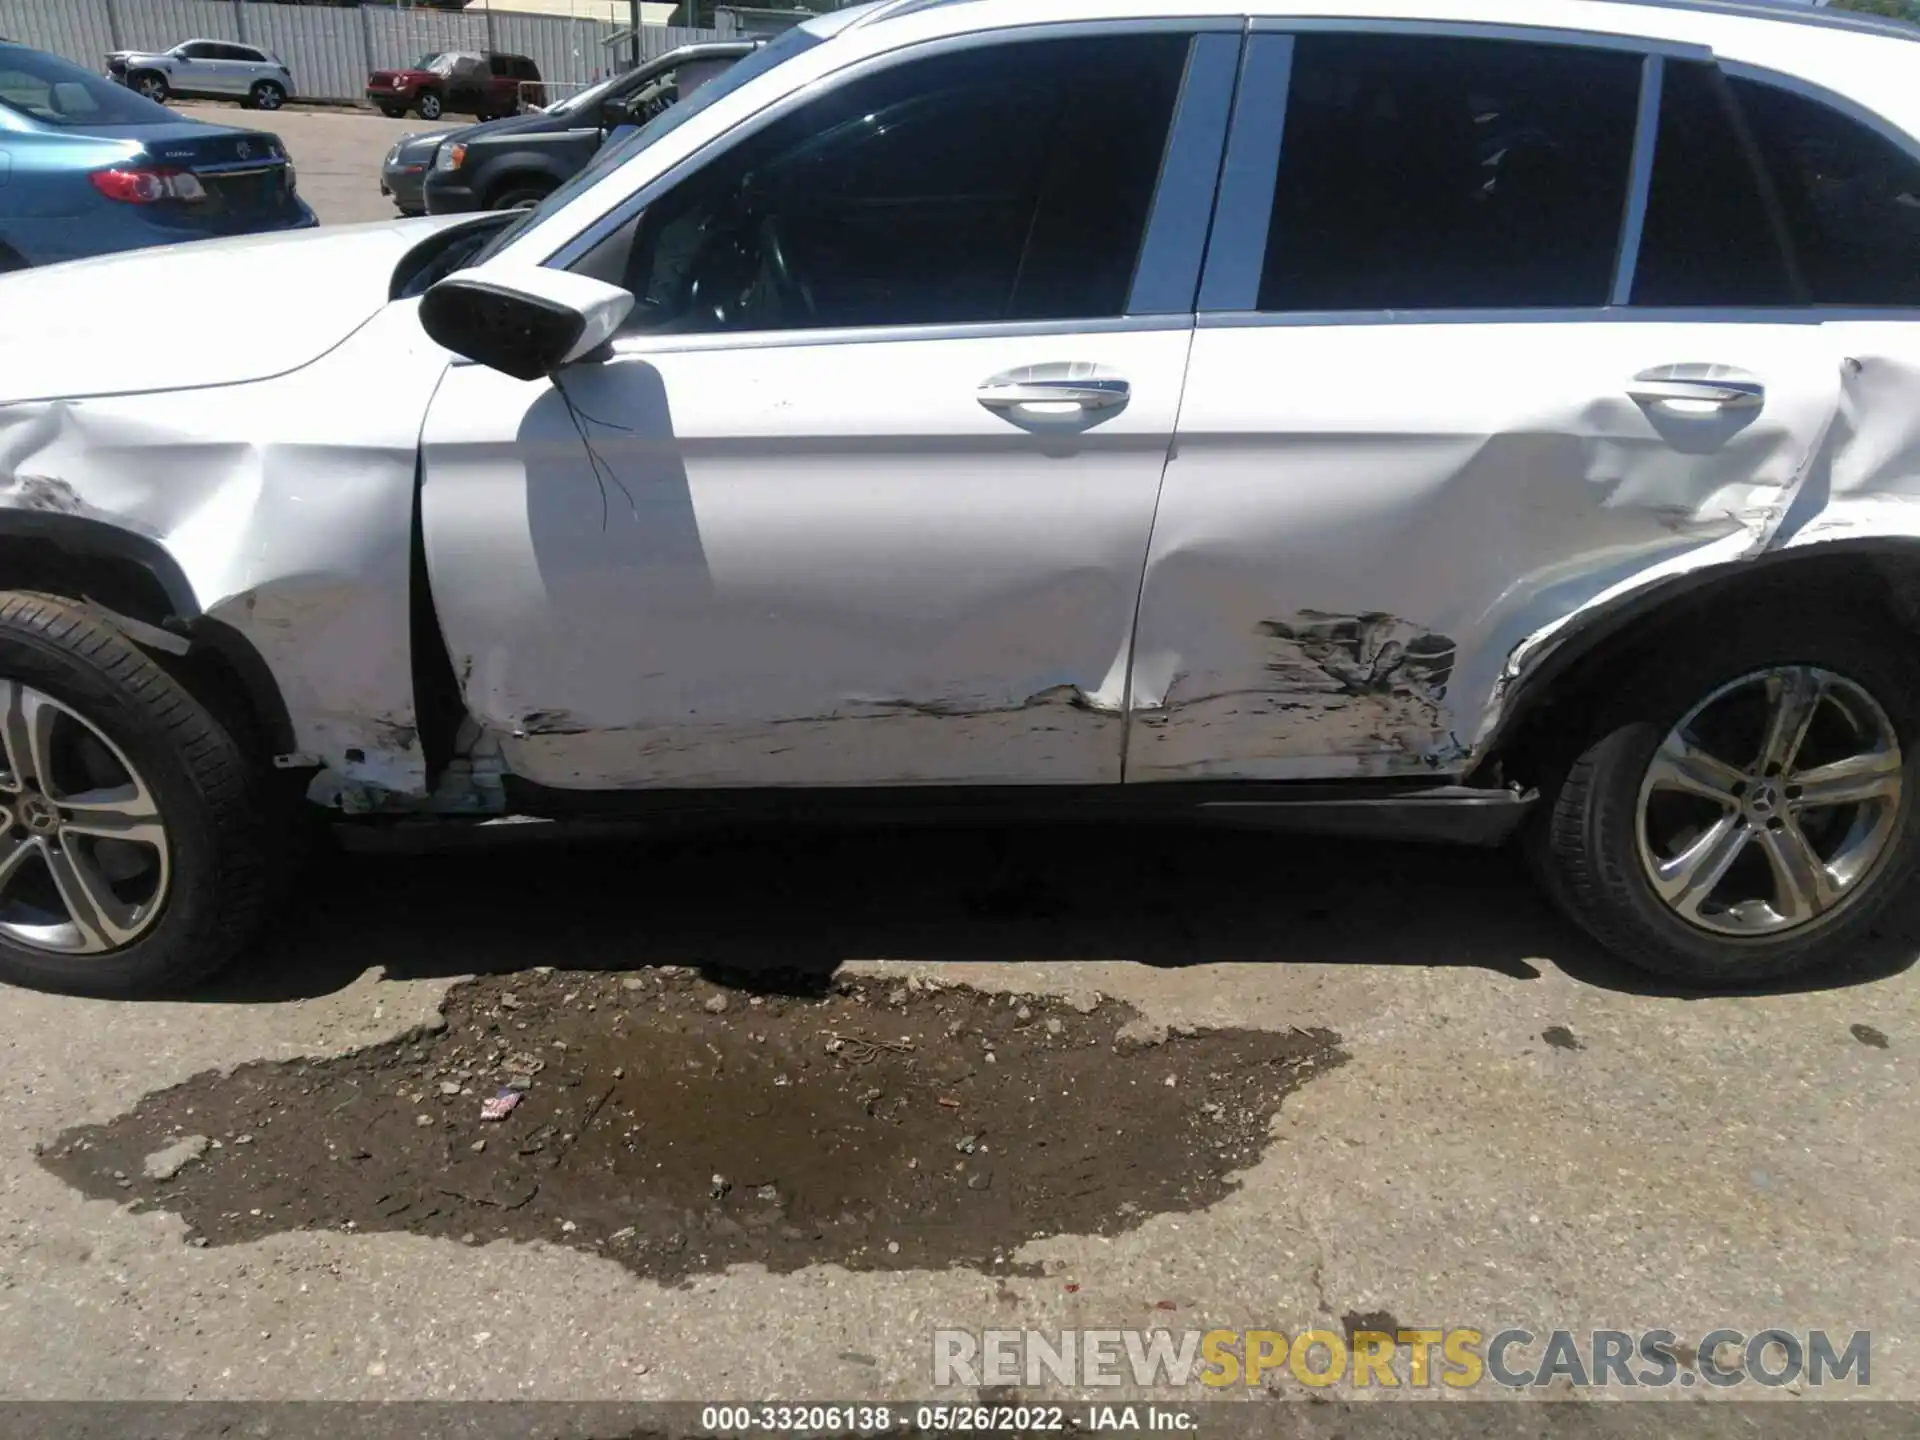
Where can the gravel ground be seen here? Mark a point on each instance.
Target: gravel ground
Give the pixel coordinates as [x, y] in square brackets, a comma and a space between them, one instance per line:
[1521, 1133]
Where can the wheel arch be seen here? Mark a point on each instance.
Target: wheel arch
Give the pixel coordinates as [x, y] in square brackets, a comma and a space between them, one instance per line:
[1536, 730]
[128, 575]
[515, 169]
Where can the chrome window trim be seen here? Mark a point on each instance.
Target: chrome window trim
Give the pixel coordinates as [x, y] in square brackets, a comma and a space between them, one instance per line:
[1646, 134]
[1238, 250]
[1561, 315]
[1174, 247]
[584, 240]
[638, 344]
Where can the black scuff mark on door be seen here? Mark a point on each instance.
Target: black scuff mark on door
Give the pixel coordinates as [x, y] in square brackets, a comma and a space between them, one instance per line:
[1385, 677]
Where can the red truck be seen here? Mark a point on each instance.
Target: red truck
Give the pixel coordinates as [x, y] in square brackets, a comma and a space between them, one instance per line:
[461, 81]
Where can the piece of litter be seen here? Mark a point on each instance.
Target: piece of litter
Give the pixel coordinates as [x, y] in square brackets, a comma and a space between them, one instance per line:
[949, 1102]
[423, 1120]
[501, 1105]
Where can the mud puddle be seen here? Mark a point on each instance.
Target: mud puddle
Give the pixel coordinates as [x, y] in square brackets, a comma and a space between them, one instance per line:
[680, 1126]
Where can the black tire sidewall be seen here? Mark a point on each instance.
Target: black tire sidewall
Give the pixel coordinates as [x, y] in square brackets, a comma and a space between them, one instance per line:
[1633, 730]
[194, 852]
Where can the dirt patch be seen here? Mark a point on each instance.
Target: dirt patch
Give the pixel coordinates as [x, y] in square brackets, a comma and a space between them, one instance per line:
[681, 1126]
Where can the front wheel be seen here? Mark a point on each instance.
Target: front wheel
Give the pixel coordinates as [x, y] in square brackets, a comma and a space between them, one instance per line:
[152, 85]
[267, 95]
[393, 112]
[135, 856]
[429, 106]
[519, 197]
[1746, 810]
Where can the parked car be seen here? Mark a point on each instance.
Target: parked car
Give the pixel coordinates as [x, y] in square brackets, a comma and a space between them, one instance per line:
[460, 82]
[506, 164]
[87, 168]
[205, 70]
[1124, 412]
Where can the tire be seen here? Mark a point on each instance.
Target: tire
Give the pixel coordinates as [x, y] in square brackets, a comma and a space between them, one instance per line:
[266, 95]
[519, 196]
[428, 106]
[1587, 838]
[393, 112]
[153, 85]
[216, 853]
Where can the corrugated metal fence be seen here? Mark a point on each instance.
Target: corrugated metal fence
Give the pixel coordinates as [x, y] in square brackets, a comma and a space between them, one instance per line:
[330, 50]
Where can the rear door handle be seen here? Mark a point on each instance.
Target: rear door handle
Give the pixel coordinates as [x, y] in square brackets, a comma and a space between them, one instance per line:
[1722, 392]
[1088, 394]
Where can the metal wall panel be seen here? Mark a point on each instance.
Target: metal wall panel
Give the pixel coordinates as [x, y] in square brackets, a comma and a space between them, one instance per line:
[330, 50]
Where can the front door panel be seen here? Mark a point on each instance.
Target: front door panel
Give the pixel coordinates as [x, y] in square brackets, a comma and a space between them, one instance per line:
[801, 563]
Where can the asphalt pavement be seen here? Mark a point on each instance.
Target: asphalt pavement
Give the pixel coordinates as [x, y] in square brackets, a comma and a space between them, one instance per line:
[1486, 1123]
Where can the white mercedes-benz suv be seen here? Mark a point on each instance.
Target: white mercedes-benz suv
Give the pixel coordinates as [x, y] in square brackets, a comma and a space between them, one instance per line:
[1467, 419]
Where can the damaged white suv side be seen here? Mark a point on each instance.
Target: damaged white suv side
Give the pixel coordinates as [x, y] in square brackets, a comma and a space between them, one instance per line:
[1451, 418]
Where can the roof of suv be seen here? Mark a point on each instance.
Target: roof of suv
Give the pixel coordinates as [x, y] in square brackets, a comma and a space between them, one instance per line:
[1797, 12]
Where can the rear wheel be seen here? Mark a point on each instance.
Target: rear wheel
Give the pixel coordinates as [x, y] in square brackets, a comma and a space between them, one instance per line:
[153, 85]
[134, 849]
[1746, 810]
[428, 105]
[267, 95]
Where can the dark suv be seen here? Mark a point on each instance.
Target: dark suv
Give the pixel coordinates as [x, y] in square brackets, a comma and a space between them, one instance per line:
[461, 81]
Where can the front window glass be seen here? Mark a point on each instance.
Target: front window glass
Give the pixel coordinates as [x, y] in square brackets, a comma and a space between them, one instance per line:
[615, 154]
[1004, 182]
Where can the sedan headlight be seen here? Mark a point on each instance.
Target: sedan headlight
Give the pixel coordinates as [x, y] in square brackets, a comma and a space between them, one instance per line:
[450, 157]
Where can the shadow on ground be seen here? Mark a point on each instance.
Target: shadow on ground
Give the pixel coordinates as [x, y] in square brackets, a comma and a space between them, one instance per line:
[782, 910]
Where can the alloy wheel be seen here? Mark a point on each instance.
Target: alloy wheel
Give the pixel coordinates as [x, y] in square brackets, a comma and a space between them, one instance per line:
[84, 864]
[1770, 805]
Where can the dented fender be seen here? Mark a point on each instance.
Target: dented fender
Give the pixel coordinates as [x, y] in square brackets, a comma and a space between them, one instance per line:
[286, 507]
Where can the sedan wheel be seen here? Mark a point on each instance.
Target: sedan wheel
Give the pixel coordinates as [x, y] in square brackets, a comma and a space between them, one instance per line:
[267, 96]
[137, 842]
[1746, 807]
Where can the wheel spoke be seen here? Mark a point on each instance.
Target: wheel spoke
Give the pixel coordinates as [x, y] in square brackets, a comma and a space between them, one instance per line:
[1795, 693]
[102, 920]
[1803, 885]
[124, 812]
[15, 852]
[1686, 880]
[1873, 776]
[26, 735]
[1681, 765]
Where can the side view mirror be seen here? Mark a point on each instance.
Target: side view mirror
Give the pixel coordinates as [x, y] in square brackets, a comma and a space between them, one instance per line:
[523, 320]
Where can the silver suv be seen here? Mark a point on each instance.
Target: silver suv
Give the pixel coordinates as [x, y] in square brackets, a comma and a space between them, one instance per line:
[1465, 419]
[206, 70]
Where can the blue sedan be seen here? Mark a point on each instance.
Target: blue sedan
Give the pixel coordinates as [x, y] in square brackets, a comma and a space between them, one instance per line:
[88, 167]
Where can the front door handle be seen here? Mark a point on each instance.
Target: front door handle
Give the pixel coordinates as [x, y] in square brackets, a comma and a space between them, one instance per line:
[1088, 394]
[1722, 391]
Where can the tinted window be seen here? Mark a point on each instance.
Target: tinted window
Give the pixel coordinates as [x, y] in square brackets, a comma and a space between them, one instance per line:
[1004, 182]
[199, 50]
[1710, 238]
[500, 64]
[1851, 196]
[1421, 173]
[526, 70]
